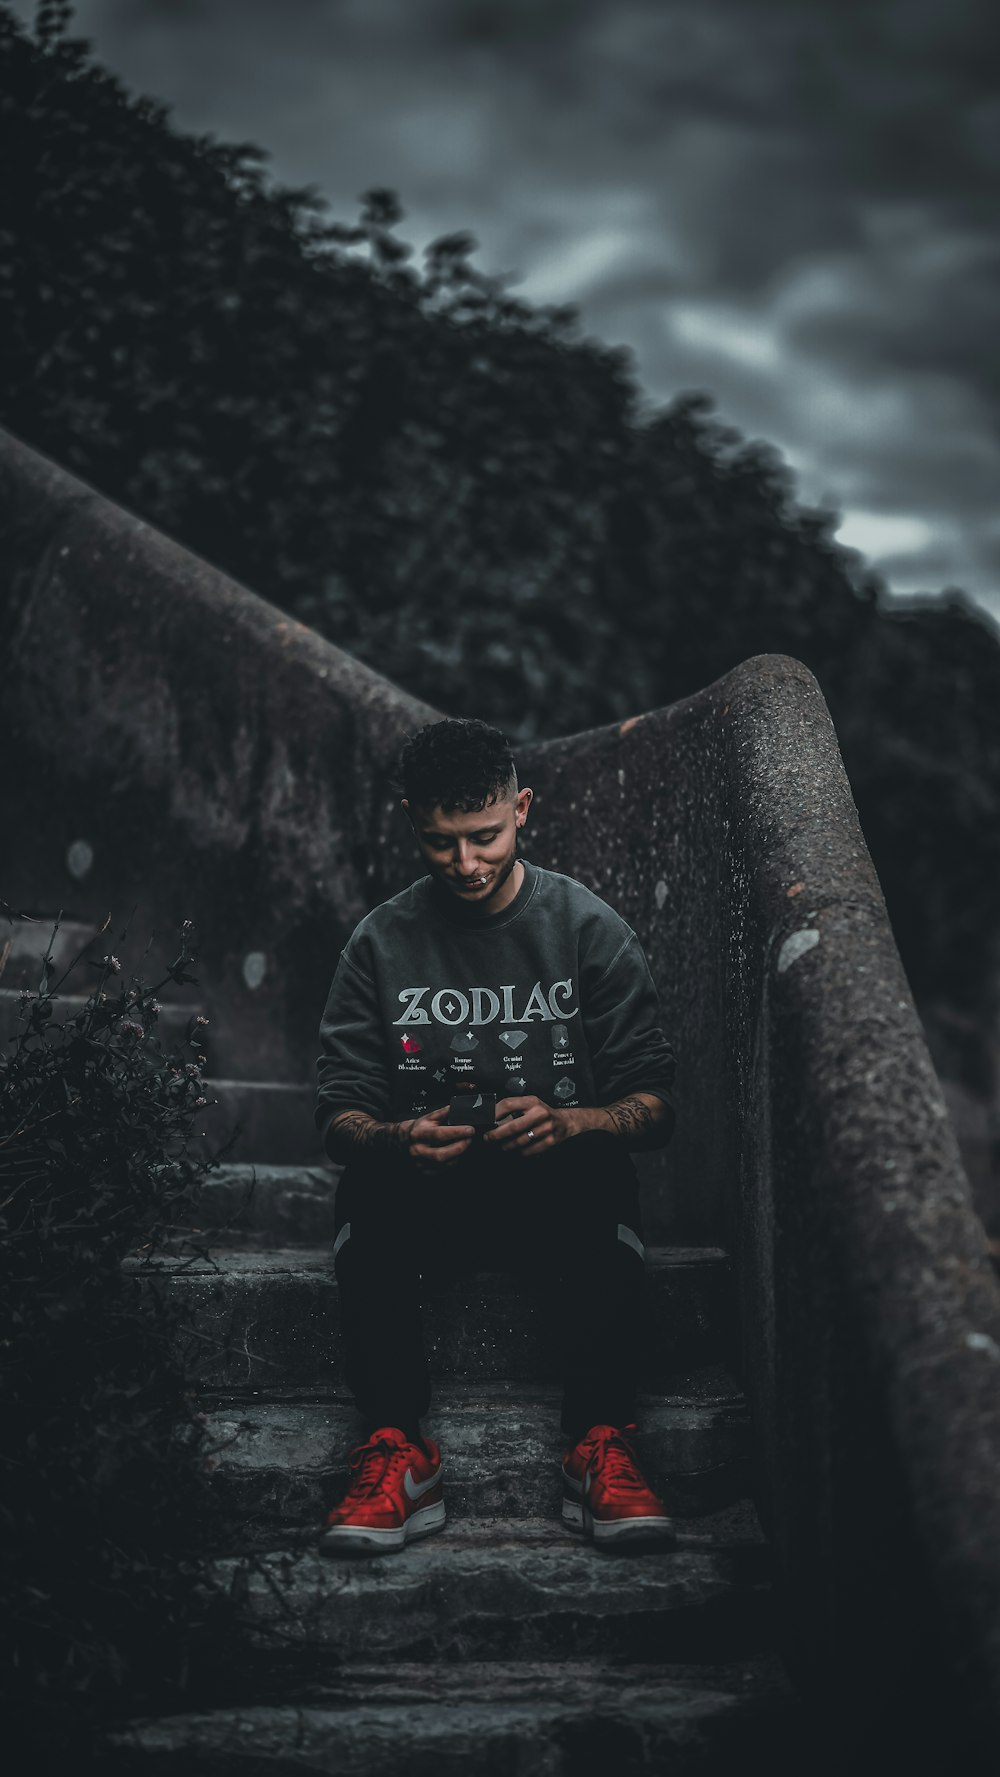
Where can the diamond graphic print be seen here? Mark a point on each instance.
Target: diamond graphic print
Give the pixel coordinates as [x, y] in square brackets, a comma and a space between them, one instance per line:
[513, 1038]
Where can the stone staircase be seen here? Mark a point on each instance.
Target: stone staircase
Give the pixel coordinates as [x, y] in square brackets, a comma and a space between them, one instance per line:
[501, 1645]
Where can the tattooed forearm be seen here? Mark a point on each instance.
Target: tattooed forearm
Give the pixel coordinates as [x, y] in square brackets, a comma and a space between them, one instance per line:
[636, 1119]
[355, 1132]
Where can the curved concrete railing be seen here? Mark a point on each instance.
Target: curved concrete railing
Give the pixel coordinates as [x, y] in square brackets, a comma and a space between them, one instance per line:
[811, 1118]
[207, 756]
[224, 763]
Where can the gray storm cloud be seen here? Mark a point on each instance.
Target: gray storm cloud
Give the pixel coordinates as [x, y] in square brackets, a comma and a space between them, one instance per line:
[791, 206]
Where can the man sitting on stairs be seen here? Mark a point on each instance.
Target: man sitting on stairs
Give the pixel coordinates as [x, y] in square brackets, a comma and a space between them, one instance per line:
[489, 978]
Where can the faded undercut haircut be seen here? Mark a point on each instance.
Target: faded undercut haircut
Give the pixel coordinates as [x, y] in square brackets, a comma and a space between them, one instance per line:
[456, 764]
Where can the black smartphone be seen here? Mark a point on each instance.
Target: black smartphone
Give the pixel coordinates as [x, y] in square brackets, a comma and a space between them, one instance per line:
[479, 1109]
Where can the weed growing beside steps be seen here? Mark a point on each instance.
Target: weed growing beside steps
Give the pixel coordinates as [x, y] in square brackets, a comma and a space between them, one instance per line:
[103, 1460]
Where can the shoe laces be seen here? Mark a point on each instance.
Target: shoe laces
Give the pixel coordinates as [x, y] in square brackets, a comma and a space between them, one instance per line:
[372, 1463]
[612, 1453]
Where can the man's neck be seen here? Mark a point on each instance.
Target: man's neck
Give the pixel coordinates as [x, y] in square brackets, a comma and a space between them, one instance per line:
[511, 887]
[482, 915]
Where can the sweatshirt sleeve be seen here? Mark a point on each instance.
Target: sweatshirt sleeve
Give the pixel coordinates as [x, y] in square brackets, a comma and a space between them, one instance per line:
[351, 1065]
[623, 1022]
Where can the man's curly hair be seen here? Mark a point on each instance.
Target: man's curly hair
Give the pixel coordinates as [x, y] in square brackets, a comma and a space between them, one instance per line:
[456, 764]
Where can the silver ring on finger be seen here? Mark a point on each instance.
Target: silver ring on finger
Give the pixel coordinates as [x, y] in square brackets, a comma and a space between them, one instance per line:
[531, 1135]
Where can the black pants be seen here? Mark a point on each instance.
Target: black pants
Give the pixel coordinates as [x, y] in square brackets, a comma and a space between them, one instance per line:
[567, 1220]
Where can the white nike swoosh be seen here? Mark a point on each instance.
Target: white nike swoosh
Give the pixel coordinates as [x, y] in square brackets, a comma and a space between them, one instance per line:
[416, 1489]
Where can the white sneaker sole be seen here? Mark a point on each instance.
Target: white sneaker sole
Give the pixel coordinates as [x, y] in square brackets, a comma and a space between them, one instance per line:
[354, 1539]
[659, 1531]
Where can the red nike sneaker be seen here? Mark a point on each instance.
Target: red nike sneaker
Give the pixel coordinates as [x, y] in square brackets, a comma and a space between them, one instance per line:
[605, 1494]
[395, 1494]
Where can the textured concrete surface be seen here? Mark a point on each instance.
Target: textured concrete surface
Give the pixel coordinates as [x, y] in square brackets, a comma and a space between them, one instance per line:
[274, 1117]
[813, 1125]
[219, 760]
[871, 1312]
[27, 944]
[536, 1719]
[275, 1204]
[283, 1463]
[505, 1590]
[269, 1320]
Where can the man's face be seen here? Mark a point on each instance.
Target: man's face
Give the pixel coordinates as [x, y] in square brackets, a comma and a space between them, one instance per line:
[472, 854]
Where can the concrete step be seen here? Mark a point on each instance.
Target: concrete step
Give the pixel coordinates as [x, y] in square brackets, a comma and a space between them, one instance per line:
[171, 1025]
[29, 941]
[520, 1589]
[268, 1205]
[275, 1119]
[281, 1465]
[508, 1718]
[268, 1321]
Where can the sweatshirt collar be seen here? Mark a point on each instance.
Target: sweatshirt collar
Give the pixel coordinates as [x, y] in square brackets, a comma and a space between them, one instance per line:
[471, 918]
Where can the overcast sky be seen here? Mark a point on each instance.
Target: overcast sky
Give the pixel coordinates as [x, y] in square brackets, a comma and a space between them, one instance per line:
[790, 203]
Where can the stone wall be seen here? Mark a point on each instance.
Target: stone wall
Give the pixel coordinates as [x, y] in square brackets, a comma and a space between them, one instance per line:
[814, 1140]
[205, 755]
[871, 1312]
[218, 761]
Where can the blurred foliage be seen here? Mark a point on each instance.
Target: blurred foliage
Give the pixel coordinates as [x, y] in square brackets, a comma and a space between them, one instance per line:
[455, 486]
[103, 1474]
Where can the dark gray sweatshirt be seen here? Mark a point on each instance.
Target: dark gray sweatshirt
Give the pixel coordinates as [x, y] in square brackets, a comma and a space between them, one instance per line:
[552, 997]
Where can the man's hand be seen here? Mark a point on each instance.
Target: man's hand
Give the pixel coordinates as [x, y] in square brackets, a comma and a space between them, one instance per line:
[425, 1139]
[639, 1121]
[435, 1143]
[548, 1126]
